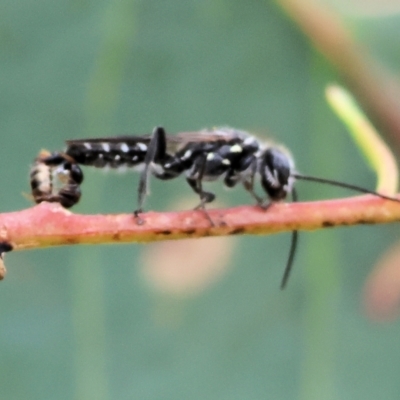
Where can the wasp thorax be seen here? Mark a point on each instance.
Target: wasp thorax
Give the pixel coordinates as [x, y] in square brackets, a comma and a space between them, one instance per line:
[275, 168]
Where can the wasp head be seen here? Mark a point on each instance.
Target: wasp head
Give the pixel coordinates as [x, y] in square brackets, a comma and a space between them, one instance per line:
[275, 167]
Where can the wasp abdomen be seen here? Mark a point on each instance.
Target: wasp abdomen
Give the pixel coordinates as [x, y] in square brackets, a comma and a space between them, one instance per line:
[109, 154]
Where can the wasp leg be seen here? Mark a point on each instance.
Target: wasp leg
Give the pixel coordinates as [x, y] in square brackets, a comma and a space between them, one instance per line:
[156, 150]
[196, 183]
[231, 179]
[248, 184]
[205, 197]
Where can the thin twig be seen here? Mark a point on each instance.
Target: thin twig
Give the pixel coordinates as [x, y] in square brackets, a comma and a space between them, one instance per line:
[48, 224]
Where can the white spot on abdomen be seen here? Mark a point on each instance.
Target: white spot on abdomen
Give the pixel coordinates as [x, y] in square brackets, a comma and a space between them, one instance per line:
[124, 147]
[141, 146]
[106, 147]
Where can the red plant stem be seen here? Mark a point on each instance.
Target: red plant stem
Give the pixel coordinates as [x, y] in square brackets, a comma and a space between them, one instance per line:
[51, 225]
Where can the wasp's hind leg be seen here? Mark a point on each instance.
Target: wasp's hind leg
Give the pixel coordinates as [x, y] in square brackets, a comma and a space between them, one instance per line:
[156, 151]
[205, 197]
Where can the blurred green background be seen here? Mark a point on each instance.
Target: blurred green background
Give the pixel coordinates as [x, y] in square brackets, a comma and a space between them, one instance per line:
[89, 322]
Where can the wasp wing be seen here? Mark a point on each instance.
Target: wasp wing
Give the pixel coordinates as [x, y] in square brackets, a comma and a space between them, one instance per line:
[220, 135]
[138, 144]
[128, 139]
[214, 134]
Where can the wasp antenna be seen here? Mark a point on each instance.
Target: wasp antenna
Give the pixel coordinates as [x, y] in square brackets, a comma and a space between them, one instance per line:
[292, 252]
[343, 185]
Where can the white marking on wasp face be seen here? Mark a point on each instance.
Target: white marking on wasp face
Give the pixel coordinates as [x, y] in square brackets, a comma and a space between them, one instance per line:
[272, 178]
[117, 157]
[106, 147]
[236, 148]
[210, 156]
[134, 158]
[87, 146]
[275, 173]
[225, 161]
[124, 147]
[141, 146]
[167, 165]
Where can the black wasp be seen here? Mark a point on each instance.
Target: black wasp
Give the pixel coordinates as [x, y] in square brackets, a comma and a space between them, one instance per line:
[206, 155]
[203, 156]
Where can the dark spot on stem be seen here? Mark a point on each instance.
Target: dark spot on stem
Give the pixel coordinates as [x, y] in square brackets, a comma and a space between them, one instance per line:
[190, 231]
[5, 247]
[237, 231]
[165, 233]
[116, 237]
[328, 224]
[364, 222]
